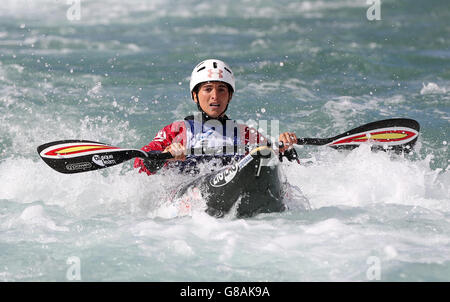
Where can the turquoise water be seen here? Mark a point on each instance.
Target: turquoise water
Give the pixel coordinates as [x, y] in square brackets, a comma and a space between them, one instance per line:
[121, 73]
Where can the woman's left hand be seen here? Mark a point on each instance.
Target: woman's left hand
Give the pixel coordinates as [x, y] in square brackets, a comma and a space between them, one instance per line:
[288, 139]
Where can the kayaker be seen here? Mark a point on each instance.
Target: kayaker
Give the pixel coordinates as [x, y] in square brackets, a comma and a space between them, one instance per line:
[212, 86]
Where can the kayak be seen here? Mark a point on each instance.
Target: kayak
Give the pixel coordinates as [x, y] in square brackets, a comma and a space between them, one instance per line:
[247, 188]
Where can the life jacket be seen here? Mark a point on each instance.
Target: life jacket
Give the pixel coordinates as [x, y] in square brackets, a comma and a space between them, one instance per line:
[196, 132]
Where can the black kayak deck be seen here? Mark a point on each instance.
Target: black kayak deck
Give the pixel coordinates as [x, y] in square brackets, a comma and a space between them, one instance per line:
[249, 187]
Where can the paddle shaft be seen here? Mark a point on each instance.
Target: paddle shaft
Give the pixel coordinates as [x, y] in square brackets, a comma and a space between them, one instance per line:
[74, 156]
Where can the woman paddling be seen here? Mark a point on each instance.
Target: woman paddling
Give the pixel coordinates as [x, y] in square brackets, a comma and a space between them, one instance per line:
[212, 86]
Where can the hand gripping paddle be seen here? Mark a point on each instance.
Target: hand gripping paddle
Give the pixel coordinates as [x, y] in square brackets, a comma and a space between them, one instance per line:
[75, 156]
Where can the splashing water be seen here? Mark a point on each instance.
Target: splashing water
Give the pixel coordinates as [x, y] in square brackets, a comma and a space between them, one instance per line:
[121, 73]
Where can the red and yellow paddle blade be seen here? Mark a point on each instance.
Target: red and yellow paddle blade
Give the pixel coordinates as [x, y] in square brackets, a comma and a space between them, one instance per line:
[75, 156]
[382, 137]
[68, 149]
[398, 134]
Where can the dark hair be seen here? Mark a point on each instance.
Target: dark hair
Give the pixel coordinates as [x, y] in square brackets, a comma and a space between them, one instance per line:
[197, 88]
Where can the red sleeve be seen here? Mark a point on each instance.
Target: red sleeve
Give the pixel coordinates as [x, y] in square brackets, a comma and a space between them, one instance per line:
[251, 136]
[173, 133]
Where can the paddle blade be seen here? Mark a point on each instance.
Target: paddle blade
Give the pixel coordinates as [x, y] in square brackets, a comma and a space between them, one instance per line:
[399, 135]
[75, 156]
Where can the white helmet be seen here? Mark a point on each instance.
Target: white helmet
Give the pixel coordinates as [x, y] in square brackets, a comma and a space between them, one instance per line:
[212, 70]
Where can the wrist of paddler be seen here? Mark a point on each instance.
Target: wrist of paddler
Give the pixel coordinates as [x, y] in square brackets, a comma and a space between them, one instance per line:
[177, 150]
[288, 139]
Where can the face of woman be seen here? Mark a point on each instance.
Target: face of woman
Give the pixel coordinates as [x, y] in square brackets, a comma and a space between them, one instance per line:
[213, 97]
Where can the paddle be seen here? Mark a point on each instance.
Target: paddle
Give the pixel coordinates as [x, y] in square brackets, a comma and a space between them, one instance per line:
[398, 134]
[75, 156]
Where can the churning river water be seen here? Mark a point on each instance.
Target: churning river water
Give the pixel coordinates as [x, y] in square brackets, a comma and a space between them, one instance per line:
[118, 71]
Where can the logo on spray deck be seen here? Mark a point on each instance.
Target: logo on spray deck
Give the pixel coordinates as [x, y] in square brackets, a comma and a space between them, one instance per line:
[103, 160]
[224, 177]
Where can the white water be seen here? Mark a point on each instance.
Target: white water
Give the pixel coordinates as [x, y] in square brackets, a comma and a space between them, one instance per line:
[121, 73]
[364, 205]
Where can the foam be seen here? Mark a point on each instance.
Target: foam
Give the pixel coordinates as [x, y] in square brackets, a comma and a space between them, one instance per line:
[362, 177]
[88, 194]
[265, 87]
[432, 88]
[181, 248]
[345, 108]
[363, 203]
[135, 11]
[35, 215]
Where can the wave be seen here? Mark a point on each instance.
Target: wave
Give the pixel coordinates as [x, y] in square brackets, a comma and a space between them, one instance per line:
[432, 88]
[361, 177]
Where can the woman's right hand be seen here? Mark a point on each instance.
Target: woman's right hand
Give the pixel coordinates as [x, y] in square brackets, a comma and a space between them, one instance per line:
[177, 150]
